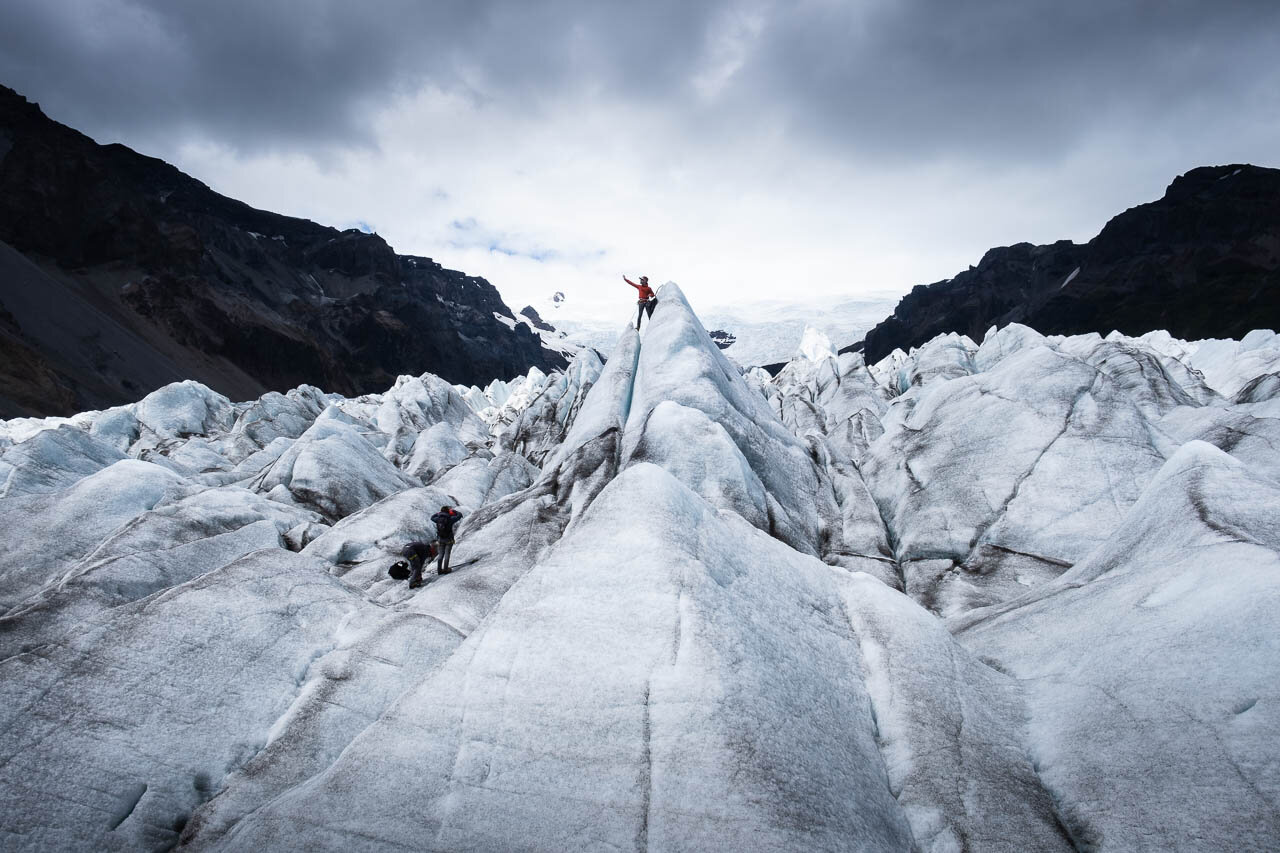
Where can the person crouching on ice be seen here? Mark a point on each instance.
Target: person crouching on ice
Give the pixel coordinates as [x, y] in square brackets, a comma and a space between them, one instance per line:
[417, 554]
[445, 519]
[647, 300]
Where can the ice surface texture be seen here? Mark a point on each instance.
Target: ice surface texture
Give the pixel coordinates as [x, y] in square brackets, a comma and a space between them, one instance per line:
[1011, 596]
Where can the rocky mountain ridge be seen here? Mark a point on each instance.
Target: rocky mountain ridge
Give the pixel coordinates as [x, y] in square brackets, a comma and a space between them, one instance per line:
[119, 273]
[1201, 262]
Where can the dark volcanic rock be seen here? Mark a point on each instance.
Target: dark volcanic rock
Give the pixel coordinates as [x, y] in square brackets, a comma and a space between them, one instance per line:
[118, 273]
[1203, 261]
[723, 339]
[538, 323]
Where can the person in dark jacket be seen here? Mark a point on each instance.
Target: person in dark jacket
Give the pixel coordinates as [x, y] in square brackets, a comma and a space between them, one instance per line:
[445, 519]
[647, 299]
[417, 554]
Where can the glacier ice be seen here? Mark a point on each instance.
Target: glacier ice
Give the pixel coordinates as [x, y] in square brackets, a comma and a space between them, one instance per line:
[1008, 595]
[1170, 693]
[53, 459]
[815, 345]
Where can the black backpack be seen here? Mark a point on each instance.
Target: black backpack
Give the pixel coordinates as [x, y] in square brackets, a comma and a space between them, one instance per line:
[399, 570]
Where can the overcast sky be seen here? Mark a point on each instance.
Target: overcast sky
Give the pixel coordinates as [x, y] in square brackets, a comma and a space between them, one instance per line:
[808, 150]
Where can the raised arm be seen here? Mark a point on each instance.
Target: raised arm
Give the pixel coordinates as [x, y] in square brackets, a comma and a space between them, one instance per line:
[630, 282]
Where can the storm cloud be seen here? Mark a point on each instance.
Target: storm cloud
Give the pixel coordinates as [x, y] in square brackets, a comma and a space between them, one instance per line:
[931, 128]
[975, 78]
[310, 73]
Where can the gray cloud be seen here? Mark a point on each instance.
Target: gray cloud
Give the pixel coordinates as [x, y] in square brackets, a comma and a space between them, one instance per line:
[1075, 108]
[955, 78]
[290, 73]
[251, 75]
[1019, 78]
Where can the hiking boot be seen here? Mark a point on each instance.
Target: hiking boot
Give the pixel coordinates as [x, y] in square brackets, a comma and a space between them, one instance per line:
[444, 571]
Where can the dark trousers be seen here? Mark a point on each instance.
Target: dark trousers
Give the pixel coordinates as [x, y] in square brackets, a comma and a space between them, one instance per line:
[415, 571]
[645, 305]
[446, 551]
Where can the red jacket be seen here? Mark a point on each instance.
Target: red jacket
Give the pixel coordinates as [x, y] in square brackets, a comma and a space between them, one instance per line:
[646, 292]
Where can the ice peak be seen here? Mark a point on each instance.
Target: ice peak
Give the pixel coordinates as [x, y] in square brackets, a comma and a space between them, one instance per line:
[815, 345]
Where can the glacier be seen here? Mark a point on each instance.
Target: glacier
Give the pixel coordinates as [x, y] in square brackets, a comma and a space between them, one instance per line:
[1015, 596]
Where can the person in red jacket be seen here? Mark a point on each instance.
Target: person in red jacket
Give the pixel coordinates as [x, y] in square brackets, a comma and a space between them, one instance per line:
[647, 300]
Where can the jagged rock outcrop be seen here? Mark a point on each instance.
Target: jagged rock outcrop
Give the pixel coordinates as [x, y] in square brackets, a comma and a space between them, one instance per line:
[535, 320]
[119, 274]
[1201, 262]
[722, 338]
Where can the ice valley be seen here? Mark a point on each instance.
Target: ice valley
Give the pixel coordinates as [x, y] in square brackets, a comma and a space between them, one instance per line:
[1015, 596]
